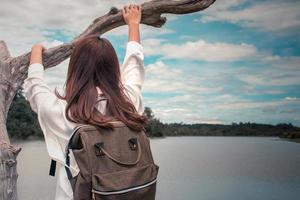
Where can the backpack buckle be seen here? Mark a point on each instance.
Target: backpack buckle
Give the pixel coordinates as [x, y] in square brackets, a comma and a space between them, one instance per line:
[132, 143]
[98, 149]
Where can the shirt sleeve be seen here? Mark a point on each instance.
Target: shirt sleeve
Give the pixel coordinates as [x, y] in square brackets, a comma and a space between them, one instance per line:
[133, 74]
[50, 111]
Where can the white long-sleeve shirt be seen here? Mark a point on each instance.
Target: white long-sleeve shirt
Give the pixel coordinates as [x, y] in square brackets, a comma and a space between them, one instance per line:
[51, 110]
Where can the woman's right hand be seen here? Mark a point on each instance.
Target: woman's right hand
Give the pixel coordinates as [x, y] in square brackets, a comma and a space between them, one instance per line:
[132, 14]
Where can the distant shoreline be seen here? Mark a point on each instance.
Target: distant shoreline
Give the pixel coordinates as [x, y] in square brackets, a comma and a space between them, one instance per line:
[14, 140]
[154, 127]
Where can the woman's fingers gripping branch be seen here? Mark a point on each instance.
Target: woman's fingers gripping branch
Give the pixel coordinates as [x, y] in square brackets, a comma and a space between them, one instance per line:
[132, 14]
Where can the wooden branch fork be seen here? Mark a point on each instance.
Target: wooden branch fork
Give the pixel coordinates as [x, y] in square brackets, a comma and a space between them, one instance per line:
[13, 71]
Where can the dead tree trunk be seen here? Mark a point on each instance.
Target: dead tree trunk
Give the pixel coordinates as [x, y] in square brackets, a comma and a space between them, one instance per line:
[13, 71]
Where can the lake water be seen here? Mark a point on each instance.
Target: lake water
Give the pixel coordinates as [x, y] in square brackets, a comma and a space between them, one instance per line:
[194, 168]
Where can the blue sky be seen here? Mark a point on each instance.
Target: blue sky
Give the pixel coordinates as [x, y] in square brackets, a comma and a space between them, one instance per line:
[237, 61]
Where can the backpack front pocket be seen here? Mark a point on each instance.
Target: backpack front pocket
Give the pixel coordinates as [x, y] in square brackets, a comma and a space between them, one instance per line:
[135, 183]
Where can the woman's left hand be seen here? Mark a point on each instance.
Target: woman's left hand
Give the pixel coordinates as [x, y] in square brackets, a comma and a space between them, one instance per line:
[36, 54]
[38, 47]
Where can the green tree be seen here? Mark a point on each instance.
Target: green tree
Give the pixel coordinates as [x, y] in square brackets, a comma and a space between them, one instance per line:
[154, 128]
[22, 122]
[148, 113]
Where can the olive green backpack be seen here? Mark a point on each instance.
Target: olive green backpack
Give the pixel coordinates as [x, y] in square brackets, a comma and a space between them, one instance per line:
[114, 164]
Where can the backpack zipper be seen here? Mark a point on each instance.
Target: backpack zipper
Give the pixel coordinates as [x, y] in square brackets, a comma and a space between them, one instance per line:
[124, 190]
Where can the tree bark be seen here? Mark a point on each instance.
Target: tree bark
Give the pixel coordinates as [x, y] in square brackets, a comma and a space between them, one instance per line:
[13, 71]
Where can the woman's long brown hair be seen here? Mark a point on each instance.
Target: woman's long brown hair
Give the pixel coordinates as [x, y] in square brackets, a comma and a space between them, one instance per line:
[94, 63]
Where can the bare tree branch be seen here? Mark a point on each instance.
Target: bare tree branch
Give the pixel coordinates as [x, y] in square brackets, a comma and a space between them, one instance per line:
[151, 15]
[4, 52]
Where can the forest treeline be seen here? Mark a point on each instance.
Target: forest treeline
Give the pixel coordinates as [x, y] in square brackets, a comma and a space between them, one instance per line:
[22, 123]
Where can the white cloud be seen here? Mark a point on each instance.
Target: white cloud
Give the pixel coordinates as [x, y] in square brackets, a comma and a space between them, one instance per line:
[160, 77]
[204, 120]
[189, 103]
[146, 31]
[49, 44]
[271, 81]
[201, 50]
[197, 103]
[291, 63]
[23, 23]
[169, 110]
[290, 98]
[246, 104]
[184, 115]
[274, 16]
[272, 76]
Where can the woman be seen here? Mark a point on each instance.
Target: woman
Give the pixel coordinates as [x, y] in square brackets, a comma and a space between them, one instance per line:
[97, 90]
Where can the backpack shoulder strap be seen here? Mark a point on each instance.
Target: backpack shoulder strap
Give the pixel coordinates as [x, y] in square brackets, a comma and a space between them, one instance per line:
[52, 168]
[53, 162]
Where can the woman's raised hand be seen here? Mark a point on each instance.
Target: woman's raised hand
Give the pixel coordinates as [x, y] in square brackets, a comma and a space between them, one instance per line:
[132, 14]
[38, 46]
[36, 53]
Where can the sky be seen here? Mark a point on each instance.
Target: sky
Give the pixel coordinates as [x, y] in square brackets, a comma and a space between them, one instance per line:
[237, 61]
